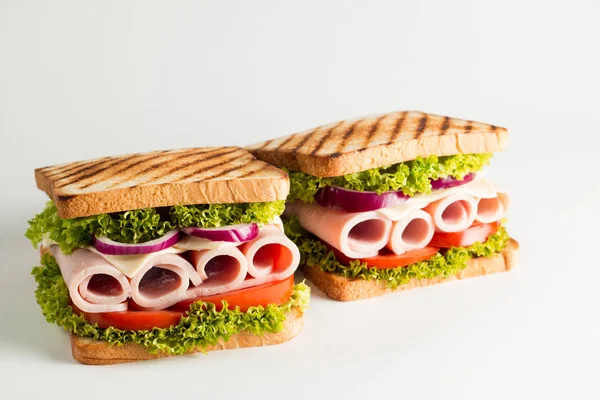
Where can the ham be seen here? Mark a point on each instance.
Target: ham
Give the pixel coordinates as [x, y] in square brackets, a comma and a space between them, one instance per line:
[453, 213]
[414, 231]
[162, 281]
[221, 270]
[357, 235]
[271, 256]
[489, 210]
[94, 285]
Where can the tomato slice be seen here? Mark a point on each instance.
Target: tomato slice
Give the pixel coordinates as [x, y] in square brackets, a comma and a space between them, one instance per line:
[478, 232]
[133, 320]
[392, 260]
[268, 293]
[136, 320]
[388, 259]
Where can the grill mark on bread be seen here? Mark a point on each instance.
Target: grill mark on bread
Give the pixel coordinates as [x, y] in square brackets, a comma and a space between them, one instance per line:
[445, 126]
[398, 127]
[247, 160]
[93, 173]
[156, 165]
[493, 128]
[422, 126]
[345, 137]
[469, 126]
[304, 140]
[323, 138]
[73, 174]
[51, 171]
[250, 173]
[186, 154]
[139, 160]
[286, 141]
[372, 132]
[265, 144]
[61, 170]
[203, 168]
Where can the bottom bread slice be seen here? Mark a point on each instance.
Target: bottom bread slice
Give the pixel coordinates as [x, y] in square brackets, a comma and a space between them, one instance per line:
[346, 289]
[98, 352]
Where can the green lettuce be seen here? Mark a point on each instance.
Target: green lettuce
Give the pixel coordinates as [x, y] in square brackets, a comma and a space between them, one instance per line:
[411, 177]
[215, 215]
[314, 253]
[200, 327]
[138, 226]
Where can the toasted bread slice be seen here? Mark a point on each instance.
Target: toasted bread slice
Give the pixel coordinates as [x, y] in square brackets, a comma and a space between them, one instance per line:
[356, 145]
[97, 352]
[345, 289]
[206, 175]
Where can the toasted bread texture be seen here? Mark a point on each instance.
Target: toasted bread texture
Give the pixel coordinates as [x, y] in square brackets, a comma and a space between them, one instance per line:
[345, 289]
[97, 352]
[351, 146]
[207, 175]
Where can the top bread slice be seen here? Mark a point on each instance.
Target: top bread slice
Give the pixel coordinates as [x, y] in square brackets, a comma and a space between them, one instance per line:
[206, 175]
[356, 145]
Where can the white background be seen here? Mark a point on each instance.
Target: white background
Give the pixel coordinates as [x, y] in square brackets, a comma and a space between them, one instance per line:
[82, 79]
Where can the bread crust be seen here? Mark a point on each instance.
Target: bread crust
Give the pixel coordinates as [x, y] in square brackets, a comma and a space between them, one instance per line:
[356, 145]
[341, 288]
[97, 352]
[159, 179]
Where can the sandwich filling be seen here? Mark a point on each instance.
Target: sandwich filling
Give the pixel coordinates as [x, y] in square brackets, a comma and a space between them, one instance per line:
[420, 219]
[153, 276]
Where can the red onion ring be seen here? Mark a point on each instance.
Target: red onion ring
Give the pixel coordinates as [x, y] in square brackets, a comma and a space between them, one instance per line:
[106, 246]
[231, 233]
[348, 200]
[450, 181]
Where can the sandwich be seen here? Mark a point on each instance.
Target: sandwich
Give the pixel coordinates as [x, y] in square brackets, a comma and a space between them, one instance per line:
[393, 202]
[166, 253]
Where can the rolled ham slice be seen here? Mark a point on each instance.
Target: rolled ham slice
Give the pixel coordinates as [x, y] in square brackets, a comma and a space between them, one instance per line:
[453, 213]
[221, 270]
[414, 231]
[357, 235]
[271, 257]
[94, 285]
[489, 210]
[162, 281]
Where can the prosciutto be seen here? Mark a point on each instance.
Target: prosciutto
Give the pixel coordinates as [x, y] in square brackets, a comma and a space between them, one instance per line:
[357, 235]
[414, 231]
[221, 270]
[162, 281]
[94, 285]
[270, 257]
[453, 213]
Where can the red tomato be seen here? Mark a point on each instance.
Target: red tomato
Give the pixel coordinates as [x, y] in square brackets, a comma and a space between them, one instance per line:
[394, 261]
[476, 233]
[133, 320]
[268, 293]
[389, 260]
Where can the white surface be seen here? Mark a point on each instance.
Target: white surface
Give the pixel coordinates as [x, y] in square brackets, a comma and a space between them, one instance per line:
[85, 79]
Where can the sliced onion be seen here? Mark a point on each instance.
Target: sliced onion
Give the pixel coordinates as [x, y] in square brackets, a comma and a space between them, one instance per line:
[106, 246]
[231, 233]
[348, 200]
[450, 181]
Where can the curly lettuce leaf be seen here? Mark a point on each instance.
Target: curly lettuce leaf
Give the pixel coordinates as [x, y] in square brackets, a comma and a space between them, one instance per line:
[411, 177]
[139, 226]
[136, 226]
[216, 215]
[451, 262]
[200, 327]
